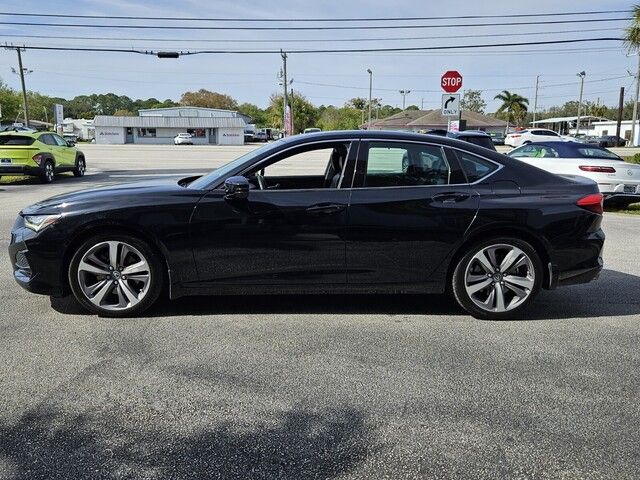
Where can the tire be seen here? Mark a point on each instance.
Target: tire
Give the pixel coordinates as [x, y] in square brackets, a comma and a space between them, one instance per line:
[103, 286]
[48, 172]
[81, 167]
[478, 288]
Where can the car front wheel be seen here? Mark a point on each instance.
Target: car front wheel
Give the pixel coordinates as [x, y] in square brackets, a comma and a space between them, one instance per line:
[497, 279]
[115, 276]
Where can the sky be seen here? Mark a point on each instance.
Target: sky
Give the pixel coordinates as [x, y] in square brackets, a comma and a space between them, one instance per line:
[324, 78]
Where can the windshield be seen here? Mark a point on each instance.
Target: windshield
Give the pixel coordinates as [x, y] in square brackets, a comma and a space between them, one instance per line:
[213, 177]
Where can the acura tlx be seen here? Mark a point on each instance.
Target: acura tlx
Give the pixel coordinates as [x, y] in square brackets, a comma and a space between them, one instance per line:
[386, 212]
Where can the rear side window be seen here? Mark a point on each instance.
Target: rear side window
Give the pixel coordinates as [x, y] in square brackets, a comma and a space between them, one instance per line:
[475, 167]
[47, 139]
[392, 164]
[15, 140]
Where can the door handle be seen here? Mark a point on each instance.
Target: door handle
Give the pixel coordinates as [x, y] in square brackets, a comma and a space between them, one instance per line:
[326, 208]
[450, 197]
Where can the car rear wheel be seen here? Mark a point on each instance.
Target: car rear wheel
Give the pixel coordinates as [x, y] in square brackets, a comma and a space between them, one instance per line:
[81, 167]
[115, 275]
[498, 278]
[48, 172]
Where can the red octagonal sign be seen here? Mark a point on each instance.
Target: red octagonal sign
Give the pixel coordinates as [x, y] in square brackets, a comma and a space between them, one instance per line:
[451, 81]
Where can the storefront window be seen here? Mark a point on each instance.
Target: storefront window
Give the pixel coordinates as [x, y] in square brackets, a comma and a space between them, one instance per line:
[197, 132]
[146, 132]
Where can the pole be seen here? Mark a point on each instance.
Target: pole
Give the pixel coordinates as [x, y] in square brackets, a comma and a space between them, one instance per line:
[620, 108]
[25, 107]
[285, 98]
[404, 94]
[535, 102]
[422, 103]
[291, 108]
[370, 88]
[635, 106]
[581, 74]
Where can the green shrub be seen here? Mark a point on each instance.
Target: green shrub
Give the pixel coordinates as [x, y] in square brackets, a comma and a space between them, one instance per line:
[634, 159]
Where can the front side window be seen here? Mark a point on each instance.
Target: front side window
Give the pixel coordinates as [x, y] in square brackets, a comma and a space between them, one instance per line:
[61, 142]
[475, 167]
[391, 164]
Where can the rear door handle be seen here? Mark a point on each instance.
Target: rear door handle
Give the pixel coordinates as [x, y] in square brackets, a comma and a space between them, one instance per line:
[450, 197]
[326, 208]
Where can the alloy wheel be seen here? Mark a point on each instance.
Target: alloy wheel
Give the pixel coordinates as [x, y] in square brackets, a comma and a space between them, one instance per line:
[48, 172]
[81, 167]
[114, 275]
[499, 278]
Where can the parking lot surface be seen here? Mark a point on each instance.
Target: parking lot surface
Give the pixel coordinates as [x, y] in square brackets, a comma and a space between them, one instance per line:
[301, 387]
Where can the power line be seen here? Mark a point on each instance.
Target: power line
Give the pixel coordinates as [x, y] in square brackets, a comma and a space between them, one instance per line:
[353, 19]
[351, 27]
[307, 40]
[346, 50]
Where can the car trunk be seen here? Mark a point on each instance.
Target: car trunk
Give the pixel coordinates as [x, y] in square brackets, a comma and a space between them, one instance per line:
[20, 154]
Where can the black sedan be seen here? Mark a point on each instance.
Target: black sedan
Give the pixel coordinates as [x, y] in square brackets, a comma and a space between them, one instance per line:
[362, 211]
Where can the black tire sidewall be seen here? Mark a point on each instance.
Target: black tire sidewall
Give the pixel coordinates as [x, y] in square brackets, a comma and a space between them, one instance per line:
[155, 266]
[44, 177]
[77, 171]
[460, 293]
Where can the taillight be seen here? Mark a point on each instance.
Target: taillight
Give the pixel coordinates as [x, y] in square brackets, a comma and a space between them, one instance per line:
[37, 158]
[515, 136]
[592, 168]
[592, 203]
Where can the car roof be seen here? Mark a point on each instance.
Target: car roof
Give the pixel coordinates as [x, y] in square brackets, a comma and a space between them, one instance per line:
[467, 133]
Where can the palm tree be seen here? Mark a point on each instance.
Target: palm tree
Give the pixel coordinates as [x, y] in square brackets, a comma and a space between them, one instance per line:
[513, 104]
[632, 32]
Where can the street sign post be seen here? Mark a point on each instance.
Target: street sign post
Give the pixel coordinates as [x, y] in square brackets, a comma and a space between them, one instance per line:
[450, 104]
[451, 81]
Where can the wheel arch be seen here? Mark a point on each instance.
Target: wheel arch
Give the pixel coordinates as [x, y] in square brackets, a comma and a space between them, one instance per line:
[489, 232]
[113, 228]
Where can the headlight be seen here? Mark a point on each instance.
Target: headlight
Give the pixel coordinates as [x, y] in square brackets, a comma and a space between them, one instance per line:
[38, 222]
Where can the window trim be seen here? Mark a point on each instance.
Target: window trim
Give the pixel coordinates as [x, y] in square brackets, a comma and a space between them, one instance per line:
[361, 161]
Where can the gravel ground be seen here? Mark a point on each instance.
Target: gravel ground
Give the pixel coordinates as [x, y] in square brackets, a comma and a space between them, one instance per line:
[321, 386]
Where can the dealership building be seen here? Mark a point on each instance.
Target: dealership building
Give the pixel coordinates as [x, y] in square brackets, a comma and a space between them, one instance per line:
[160, 125]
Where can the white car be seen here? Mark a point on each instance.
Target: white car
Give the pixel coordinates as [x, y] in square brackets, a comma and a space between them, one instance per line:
[618, 181]
[183, 139]
[531, 135]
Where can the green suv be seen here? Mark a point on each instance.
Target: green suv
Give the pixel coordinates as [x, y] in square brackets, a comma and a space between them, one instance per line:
[42, 154]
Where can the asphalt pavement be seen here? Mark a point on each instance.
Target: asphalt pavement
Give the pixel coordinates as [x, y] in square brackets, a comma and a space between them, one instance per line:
[306, 387]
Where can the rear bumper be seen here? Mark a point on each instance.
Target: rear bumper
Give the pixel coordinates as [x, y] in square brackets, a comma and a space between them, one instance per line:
[19, 170]
[582, 264]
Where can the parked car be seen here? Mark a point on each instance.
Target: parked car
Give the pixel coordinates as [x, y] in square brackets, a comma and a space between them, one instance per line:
[311, 130]
[611, 141]
[476, 137]
[260, 136]
[40, 154]
[532, 135]
[497, 137]
[183, 139]
[618, 180]
[388, 212]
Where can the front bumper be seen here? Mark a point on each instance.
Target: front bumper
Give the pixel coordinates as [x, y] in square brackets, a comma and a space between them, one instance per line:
[36, 269]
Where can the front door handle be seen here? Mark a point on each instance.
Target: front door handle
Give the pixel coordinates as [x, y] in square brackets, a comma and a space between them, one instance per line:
[326, 208]
[450, 197]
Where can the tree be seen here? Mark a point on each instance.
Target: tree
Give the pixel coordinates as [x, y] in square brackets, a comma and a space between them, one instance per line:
[358, 103]
[472, 101]
[597, 110]
[514, 105]
[258, 116]
[10, 102]
[207, 99]
[632, 32]
[305, 114]
[412, 107]
[345, 118]
[123, 112]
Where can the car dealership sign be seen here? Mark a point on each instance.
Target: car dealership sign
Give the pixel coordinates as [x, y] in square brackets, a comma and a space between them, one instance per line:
[451, 81]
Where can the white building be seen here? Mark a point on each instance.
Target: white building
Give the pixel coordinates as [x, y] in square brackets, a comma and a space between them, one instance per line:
[610, 127]
[79, 128]
[161, 125]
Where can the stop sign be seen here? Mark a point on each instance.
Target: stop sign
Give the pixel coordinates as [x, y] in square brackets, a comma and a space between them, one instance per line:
[451, 81]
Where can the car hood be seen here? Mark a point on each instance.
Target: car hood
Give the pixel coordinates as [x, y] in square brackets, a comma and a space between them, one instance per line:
[111, 197]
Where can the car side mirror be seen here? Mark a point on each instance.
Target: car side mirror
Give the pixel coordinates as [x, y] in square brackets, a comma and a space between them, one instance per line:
[236, 188]
[71, 143]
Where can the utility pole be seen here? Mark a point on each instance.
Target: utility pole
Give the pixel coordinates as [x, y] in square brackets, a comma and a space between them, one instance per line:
[535, 102]
[422, 103]
[635, 106]
[291, 108]
[285, 99]
[620, 108]
[404, 94]
[370, 87]
[21, 72]
[581, 75]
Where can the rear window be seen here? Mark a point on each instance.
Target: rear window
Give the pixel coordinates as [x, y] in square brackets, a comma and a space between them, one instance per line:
[15, 140]
[485, 142]
[533, 151]
[593, 152]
